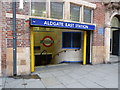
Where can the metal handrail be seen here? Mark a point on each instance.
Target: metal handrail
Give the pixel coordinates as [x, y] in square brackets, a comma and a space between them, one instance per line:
[64, 51]
[42, 53]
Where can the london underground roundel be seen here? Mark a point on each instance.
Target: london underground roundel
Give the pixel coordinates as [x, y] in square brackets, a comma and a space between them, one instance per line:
[47, 41]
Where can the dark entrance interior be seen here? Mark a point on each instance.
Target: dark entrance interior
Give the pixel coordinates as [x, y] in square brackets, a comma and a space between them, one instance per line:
[88, 48]
[50, 54]
[116, 43]
[43, 59]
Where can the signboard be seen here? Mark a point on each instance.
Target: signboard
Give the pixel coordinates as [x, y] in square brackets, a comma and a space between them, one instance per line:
[47, 41]
[100, 31]
[60, 24]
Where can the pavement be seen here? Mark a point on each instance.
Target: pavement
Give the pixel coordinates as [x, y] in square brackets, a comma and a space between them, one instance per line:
[67, 75]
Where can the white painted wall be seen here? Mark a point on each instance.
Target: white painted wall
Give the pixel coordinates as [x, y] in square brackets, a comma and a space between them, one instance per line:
[70, 56]
[107, 37]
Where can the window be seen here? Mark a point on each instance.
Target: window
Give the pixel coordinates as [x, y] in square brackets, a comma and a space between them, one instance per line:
[87, 15]
[71, 40]
[57, 10]
[38, 8]
[74, 12]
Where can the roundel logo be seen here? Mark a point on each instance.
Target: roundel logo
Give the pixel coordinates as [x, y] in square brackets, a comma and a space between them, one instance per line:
[47, 41]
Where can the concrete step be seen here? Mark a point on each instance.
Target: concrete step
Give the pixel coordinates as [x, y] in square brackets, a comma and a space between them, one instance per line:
[114, 59]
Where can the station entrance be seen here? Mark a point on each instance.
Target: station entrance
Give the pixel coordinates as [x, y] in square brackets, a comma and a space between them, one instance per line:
[54, 42]
[55, 45]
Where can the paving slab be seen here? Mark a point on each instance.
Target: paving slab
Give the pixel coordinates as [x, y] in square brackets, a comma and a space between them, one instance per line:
[45, 75]
[69, 76]
[14, 83]
[89, 84]
[58, 73]
[108, 84]
[99, 74]
[50, 81]
[34, 83]
[75, 85]
[57, 86]
[75, 76]
[65, 80]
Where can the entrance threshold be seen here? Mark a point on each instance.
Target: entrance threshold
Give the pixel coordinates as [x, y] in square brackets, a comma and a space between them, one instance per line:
[57, 67]
[114, 59]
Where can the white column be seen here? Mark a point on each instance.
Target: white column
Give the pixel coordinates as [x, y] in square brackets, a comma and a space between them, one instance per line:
[107, 37]
[107, 44]
[48, 8]
[67, 10]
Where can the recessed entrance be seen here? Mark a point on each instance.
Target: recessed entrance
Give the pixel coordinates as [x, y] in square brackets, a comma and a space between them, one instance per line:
[115, 36]
[115, 44]
[57, 42]
[49, 47]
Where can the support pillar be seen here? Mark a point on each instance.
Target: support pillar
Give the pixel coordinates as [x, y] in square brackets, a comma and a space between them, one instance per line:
[32, 50]
[84, 47]
[107, 44]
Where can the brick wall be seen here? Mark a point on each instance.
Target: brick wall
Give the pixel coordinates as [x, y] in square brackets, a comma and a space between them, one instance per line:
[99, 20]
[22, 27]
[0, 34]
[3, 42]
[23, 31]
[98, 39]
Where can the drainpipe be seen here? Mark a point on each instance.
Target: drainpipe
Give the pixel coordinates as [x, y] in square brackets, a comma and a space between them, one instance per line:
[14, 38]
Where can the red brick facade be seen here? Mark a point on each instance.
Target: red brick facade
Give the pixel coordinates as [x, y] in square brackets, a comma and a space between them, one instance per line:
[23, 28]
[99, 20]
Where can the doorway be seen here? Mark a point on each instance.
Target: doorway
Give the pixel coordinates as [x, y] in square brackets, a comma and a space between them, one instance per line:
[88, 48]
[47, 47]
[115, 36]
[116, 43]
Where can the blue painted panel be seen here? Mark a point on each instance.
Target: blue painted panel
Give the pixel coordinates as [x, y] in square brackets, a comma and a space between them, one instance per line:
[60, 24]
[71, 61]
[100, 31]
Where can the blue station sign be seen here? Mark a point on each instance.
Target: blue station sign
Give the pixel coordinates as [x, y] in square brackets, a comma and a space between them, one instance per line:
[60, 24]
